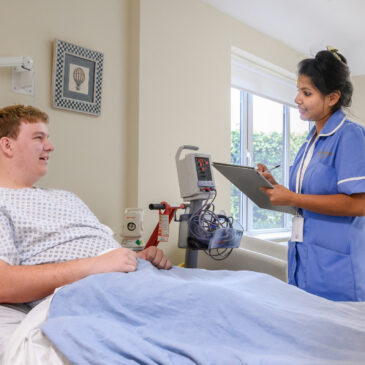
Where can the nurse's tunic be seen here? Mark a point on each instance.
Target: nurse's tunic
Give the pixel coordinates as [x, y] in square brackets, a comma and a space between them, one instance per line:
[330, 262]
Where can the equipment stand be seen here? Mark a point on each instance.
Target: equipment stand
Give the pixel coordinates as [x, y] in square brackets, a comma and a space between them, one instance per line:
[191, 258]
[191, 255]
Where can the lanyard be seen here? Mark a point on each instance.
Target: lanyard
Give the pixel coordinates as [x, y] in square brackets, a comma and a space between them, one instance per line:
[304, 164]
[307, 158]
[298, 221]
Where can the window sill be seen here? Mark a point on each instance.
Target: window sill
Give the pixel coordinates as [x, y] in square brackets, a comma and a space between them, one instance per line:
[279, 237]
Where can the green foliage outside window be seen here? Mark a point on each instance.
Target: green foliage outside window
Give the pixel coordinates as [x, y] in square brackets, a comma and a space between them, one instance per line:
[267, 149]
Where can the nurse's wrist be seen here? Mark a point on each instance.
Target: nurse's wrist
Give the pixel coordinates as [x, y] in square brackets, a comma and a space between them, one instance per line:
[295, 200]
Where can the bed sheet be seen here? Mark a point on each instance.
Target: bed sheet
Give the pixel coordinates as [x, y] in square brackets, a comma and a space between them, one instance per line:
[194, 316]
[28, 345]
[11, 315]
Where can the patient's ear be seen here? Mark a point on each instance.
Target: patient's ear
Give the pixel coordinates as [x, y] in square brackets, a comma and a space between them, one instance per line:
[6, 146]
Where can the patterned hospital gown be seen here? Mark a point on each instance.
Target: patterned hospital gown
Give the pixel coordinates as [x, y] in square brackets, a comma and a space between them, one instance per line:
[40, 226]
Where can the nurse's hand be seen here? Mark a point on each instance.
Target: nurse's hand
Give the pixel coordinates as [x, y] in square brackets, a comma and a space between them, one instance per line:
[265, 172]
[280, 195]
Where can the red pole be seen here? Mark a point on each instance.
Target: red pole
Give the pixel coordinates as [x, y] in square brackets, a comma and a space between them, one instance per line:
[153, 240]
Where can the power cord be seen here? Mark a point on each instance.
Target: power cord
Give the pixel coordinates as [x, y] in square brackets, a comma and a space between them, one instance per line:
[202, 225]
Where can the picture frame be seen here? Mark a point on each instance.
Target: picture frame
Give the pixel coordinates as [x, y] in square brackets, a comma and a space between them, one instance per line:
[77, 78]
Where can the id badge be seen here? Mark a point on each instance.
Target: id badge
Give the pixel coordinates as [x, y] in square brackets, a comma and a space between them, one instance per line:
[297, 229]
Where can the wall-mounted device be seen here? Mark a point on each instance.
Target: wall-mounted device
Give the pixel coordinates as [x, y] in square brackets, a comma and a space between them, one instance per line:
[194, 173]
[132, 229]
[23, 74]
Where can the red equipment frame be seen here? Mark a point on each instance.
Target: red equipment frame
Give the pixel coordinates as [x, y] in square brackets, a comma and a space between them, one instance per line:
[170, 210]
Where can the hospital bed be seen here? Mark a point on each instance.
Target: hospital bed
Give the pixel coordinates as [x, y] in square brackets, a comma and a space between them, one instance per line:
[191, 316]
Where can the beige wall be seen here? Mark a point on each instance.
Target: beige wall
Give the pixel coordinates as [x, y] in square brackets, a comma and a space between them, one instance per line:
[166, 83]
[185, 91]
[90, 156]
[358, 106]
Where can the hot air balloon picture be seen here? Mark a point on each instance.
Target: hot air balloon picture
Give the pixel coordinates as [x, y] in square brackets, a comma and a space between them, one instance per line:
[77, 77]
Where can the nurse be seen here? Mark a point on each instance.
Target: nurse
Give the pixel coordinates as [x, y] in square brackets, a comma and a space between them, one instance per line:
[326, 253]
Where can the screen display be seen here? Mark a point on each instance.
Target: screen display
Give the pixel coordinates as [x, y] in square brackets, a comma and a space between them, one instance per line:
[203, 168]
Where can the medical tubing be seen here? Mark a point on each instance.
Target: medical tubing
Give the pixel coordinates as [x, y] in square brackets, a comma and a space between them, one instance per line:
[204, 221]
[220, 255]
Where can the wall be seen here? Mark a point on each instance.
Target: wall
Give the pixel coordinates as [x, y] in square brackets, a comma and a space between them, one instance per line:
[358, 107]
[184, 92]
[90, 156]
[166, 83]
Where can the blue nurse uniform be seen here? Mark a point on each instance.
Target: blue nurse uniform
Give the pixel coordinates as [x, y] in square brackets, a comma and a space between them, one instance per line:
[330, 262]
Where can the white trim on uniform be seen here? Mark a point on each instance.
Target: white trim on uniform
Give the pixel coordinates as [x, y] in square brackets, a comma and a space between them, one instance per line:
[334, 130]
[351, 179]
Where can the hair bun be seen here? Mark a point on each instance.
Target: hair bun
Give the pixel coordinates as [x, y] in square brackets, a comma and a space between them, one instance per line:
[335, 53]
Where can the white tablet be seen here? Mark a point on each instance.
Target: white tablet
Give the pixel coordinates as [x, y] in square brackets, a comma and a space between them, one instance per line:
[249, 180]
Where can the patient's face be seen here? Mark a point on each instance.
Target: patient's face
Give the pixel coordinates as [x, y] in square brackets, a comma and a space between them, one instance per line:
[31, 151]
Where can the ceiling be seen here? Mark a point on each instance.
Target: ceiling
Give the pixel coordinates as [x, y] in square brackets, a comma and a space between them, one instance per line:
[307, 25]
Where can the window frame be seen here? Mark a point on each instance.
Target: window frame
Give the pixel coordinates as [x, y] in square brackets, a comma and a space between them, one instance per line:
[246, 157]
[258, 76]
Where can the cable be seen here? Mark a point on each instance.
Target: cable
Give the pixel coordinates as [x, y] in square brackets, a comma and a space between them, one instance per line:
[202, 225]
[219, 256]
[204, 221]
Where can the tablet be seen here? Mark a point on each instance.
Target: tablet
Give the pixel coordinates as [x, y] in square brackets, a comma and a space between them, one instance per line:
[249, 180]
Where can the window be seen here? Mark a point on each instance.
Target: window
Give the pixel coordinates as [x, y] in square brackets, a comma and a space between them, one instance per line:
[266, 131]
[265, 127]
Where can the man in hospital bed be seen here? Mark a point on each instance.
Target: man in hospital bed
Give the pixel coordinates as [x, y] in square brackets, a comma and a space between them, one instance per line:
[49, 238]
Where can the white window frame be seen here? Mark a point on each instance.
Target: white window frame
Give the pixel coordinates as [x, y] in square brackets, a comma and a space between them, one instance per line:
[253, 75]
[246, 134]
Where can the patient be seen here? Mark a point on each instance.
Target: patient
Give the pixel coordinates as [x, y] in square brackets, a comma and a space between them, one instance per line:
[49, 238]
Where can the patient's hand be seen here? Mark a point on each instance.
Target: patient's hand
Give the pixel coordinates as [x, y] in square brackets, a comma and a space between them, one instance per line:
[156, 257]
[118, 260]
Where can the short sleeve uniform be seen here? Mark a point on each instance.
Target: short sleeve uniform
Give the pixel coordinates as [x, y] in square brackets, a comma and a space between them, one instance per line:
[330, 261]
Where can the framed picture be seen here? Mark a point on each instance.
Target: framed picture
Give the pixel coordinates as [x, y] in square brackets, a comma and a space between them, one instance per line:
[77, 78]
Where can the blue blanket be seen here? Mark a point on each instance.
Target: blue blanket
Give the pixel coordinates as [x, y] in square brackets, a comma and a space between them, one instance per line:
[193, 316]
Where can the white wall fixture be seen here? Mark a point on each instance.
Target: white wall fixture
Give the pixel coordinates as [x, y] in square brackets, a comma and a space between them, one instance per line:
[23, 74]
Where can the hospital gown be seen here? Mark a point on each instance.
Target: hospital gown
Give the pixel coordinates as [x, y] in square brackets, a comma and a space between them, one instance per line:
[40, 226]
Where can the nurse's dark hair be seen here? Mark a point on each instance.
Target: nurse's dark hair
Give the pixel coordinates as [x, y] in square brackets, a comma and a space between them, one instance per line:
[329, 72]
